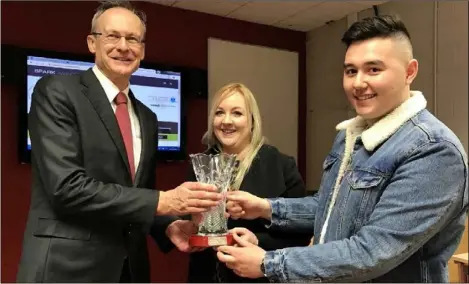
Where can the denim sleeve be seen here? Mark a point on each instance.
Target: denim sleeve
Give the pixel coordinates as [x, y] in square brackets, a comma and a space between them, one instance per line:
[427, 191]
[296, 214]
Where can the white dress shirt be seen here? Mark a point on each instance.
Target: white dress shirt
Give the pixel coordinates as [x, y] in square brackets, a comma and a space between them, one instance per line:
[111, 91]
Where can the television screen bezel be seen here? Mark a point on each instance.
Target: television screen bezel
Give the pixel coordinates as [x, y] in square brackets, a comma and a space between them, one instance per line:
[23, 53]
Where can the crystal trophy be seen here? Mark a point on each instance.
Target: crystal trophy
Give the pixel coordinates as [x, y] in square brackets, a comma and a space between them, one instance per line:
[217, 170]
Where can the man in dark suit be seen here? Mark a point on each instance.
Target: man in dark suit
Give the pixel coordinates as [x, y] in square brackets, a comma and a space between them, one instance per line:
[93, 164]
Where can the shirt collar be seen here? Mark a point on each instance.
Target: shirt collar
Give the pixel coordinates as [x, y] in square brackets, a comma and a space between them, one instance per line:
[109, 87]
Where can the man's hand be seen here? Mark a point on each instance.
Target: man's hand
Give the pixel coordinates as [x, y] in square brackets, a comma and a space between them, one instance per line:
[242, 204]
[179, 233]
[244, 260]
[188, 198]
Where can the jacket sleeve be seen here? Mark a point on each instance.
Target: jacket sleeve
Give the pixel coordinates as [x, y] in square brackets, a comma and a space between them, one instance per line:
[161, 223]
[274, 239]
[158, 232]
[424, 194]
[58, 160]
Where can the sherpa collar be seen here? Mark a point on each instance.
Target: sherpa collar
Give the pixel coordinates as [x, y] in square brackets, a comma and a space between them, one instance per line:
[388, 125]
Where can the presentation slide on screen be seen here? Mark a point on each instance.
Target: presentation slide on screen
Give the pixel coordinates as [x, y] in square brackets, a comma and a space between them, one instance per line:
[159, 90]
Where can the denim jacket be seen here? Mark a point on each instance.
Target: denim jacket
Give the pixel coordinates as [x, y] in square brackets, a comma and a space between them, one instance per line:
[391, 205]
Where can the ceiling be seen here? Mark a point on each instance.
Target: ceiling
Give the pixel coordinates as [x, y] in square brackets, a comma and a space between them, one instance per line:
[295, 15]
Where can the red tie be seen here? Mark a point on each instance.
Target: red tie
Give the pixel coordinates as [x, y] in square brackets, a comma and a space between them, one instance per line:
[123, 119]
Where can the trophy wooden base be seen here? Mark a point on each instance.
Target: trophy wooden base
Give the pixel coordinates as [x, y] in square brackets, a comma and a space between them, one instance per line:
[211, 241]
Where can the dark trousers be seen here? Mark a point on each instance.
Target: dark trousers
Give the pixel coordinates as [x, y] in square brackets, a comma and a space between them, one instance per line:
[125, 273]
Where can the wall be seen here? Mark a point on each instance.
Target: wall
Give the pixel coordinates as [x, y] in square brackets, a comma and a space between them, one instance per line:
[272, 75]
[439, 32]
[325, 99]
[176, 37]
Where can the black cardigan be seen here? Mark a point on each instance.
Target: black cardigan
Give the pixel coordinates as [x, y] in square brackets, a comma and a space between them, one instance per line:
[272, 174]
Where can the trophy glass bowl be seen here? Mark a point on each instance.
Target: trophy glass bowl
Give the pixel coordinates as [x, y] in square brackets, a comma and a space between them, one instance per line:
[217, 170]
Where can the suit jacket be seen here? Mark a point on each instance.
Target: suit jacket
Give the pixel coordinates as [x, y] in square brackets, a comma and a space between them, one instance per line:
[272, 174]
[86, 217]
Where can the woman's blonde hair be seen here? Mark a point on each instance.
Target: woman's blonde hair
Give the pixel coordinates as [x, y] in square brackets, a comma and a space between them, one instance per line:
[255, 124]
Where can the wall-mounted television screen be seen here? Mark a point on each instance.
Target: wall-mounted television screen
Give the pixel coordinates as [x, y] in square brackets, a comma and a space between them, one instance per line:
[158, 87]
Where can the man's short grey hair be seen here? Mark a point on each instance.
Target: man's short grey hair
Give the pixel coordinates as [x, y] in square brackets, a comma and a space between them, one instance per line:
[106, 5]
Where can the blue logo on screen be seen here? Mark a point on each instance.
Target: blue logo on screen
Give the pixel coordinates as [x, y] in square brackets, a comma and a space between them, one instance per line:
[173, 99]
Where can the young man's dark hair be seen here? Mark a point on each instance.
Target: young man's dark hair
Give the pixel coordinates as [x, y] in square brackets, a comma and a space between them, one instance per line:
[378, 26]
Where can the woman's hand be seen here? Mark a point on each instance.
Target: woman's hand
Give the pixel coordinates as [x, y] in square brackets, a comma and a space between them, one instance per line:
[245, 234]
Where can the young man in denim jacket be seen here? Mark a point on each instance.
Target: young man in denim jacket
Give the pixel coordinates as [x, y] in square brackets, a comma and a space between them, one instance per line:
[393, 197]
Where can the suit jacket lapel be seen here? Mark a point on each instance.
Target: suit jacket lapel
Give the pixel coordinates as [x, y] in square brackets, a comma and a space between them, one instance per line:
[144, 132]
[100, 102]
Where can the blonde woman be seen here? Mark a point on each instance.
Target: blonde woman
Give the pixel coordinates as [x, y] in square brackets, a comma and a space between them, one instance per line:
[235, 127]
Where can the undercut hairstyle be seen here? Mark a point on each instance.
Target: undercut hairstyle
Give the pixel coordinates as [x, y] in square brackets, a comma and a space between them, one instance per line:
[106, 5]
[384, 26]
